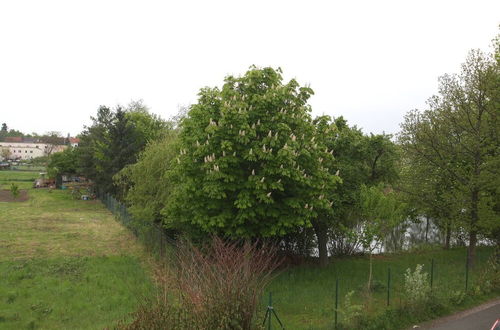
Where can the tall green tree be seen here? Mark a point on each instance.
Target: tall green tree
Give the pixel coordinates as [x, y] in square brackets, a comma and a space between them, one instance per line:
[113, 141]
[458, 139]
[360, 160]
[249, 162]
[381, 210]
[430, 195]
[148, 185]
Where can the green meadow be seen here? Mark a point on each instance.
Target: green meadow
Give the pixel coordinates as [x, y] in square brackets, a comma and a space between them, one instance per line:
[65, 263]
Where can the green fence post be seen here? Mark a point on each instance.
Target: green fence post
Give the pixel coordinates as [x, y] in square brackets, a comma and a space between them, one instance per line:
[336, 300]
[466, 274]
[269, 314]
[388, 285]
[432, 272]
[269, 325]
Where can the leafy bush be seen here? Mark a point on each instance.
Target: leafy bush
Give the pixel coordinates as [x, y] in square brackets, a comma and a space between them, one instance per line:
[417, 286]
[489, 279]
[14, 190]
[457, 297]
[350, 311]
[215, 286]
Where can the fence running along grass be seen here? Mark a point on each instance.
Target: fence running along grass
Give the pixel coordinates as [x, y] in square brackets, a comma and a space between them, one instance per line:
[447, 274]
[152, 236]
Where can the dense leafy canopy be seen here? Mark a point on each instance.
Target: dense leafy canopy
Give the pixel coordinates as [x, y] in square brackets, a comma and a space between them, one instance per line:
[250, 161]
[149, 187]
[63, 163]
[454, 145]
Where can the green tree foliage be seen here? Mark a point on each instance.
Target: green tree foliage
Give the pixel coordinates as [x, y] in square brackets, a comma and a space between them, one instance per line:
[430, 194]
[381, 210]
[457, 140]
[115, 140]
[5, 132]
[149, 187]
[63, 163]
[250, 162]
[360, 160]
[5, 153]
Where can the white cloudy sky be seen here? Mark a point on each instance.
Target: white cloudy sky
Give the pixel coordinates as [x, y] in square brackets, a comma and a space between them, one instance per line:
[370, 61]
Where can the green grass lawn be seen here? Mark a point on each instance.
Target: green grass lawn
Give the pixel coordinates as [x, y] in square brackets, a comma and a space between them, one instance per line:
[19, 175]
[23, 179]
[66, 264]
[30, 168]
[304, 296]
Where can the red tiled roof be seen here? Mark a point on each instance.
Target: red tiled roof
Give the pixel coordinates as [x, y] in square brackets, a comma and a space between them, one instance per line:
[13, 139]
[74, 140]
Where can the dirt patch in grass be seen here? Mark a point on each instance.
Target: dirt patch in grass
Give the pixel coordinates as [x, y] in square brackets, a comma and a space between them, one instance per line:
[6, 196]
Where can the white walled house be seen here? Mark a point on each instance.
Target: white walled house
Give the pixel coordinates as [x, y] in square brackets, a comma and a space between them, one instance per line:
[29, 150]
[74, 142]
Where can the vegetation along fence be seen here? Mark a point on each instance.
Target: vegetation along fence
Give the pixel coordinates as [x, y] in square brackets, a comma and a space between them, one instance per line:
[152, 236]
[339, 294]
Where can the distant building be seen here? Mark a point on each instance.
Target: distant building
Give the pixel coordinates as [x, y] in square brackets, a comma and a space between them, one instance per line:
[74, 142]
[29, 150]
[13, 139]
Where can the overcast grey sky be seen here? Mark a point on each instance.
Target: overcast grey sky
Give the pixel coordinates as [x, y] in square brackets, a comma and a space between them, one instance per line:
[370, 61]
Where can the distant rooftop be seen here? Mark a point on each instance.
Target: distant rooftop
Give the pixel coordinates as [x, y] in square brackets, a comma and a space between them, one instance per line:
[13, 139]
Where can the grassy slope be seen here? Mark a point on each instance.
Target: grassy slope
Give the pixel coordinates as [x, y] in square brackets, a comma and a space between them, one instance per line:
[66, 264]
[304, 296]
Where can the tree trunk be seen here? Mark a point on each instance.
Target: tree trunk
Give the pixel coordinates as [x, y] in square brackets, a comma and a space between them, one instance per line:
[448, 236]
[471, 251]
[474, 217]
[321, 231]
[426, 228]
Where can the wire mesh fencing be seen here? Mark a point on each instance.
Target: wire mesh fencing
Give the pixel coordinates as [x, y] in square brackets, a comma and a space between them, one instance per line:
[343, 297]
[151, 235]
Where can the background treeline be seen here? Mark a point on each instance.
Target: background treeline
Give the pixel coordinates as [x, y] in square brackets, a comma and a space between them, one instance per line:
[53, 137]
[248, 160]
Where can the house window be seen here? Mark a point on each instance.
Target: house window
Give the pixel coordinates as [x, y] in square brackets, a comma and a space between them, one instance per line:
[25, 151]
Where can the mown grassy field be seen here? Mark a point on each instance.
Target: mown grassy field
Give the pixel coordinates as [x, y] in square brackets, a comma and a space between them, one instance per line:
[304, 296]
[66, 264]
[29, 168]
[23, 179]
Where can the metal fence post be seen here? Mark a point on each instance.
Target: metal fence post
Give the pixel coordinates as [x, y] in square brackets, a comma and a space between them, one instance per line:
[269, 314]
[336, 301]
[388, 285]
[269, 325]
[432, 272]
[466, 274]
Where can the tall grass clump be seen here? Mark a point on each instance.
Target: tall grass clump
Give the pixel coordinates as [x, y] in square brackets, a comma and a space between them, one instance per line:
[217, 285]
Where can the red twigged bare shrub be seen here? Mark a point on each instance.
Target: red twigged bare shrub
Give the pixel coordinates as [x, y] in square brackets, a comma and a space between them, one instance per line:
[214, 286]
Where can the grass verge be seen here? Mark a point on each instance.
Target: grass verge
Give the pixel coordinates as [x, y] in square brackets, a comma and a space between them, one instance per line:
[304, 296]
